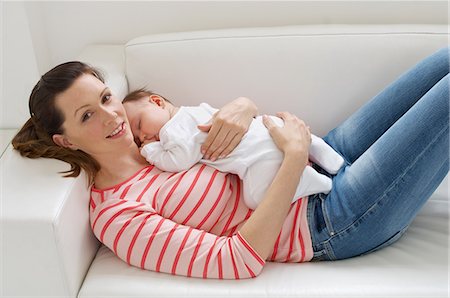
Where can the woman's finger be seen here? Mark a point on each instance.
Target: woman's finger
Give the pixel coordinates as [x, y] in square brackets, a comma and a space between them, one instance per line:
[232, 144]
[285, 115]
[219, 139]
[204, 127]
[220, 143]
[227, 144]
[212, 134]
[268, 122]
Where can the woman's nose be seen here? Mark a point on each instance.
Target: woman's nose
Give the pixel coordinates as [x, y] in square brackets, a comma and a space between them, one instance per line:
[109, 116]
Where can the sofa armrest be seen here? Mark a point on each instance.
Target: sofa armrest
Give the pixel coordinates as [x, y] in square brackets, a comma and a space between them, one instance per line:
[47, 245]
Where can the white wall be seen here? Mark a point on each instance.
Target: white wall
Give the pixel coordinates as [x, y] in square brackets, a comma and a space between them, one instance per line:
[39, 35]
[66, 27]
[19, 71]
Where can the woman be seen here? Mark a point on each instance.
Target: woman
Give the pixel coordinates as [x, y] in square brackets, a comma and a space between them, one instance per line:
[194, 223]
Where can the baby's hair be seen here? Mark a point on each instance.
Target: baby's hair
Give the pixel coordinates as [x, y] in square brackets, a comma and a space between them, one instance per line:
[139, 93]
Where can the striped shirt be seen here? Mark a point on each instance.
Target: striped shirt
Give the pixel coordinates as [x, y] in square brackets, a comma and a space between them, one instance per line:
[188, 223]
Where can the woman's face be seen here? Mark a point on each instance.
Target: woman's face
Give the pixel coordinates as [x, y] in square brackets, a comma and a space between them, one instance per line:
[95, 120]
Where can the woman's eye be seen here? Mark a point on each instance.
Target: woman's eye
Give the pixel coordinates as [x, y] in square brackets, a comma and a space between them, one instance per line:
[86, 116]
[106, 98]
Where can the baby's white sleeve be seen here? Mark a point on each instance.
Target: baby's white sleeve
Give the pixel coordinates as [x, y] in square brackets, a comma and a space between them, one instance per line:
[174, 156]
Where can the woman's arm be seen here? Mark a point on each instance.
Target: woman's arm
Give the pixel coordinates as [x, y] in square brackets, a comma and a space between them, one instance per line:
[262, 228]
[138, 235]
[227, 127]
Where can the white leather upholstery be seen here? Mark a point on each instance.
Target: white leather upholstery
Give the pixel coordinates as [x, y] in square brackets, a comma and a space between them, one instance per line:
[321, 73]
[47, 245]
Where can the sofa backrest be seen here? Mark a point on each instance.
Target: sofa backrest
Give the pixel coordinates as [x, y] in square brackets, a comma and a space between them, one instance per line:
[322, 73]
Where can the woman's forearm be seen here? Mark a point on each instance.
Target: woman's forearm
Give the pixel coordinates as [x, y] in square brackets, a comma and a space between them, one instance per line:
[262, 228]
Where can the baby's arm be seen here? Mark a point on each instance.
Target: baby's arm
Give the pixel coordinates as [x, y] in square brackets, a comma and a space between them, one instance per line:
[173, 156]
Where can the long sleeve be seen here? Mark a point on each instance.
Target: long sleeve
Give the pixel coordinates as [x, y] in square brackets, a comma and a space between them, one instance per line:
[175, 155]
[143, 238]
[180, 140]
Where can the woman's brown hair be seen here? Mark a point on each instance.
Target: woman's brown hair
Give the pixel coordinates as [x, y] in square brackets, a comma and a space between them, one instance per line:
[35, 140]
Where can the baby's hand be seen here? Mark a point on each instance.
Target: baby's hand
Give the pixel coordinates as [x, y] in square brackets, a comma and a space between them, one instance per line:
[145, 142]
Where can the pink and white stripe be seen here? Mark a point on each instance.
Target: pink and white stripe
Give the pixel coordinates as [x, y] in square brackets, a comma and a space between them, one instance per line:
[188, 224]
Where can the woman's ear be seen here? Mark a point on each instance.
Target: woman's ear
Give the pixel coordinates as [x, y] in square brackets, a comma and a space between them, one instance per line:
[158, 100]
[62, 141]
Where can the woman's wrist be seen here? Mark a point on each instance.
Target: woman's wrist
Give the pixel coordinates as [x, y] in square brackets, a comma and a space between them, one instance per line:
[298, 154]
[296, 159]
[248, 105]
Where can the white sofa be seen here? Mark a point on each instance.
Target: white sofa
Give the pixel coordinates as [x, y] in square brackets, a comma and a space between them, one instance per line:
[321, 73]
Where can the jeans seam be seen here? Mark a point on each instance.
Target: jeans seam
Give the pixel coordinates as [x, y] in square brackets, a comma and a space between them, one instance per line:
[309, 216]
[326, 219]
[393, 184]
[329, 251]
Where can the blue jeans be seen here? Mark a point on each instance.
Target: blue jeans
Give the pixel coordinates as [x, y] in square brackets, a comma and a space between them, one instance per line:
[396, 151]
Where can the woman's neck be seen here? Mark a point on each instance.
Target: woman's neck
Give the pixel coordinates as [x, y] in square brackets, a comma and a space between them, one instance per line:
[117, 169]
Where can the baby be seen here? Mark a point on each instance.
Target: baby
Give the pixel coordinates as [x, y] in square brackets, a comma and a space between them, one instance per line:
[170, 140]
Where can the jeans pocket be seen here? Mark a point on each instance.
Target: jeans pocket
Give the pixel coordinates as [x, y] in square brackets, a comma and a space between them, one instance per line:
[388, 242]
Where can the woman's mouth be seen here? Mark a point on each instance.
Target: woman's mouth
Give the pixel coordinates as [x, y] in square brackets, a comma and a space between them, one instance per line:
[118, 132]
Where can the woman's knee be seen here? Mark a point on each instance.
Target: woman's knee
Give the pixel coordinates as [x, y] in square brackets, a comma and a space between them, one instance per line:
[443, 55]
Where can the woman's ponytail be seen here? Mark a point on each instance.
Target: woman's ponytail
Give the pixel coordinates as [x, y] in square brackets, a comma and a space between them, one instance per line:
[25, 141]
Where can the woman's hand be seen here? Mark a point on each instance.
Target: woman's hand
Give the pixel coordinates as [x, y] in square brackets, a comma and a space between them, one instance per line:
[294, 138]
[227, 127]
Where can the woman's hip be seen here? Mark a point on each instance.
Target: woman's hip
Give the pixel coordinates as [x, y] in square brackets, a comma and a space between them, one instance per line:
[364, 234]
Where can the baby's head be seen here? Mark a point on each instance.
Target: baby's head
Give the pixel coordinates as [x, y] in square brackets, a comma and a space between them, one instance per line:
[147, 113]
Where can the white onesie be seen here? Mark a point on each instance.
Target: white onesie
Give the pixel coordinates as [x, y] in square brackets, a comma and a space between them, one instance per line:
[255, 160]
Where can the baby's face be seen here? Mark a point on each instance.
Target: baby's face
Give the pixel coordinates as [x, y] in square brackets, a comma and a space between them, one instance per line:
[146, 118]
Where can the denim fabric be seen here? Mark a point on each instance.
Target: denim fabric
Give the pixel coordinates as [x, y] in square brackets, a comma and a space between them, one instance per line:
[396, 151]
